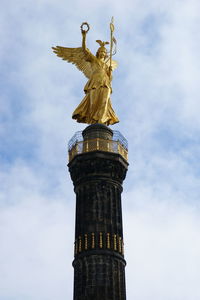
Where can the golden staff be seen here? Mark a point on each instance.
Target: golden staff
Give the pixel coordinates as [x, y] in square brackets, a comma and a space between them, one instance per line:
[112, 28]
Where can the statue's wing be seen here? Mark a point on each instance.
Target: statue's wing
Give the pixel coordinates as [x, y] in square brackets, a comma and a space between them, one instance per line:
[114, 64]
[81, 59]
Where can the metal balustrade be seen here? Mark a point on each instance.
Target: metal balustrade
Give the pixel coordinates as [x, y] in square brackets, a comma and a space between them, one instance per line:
[97, 144]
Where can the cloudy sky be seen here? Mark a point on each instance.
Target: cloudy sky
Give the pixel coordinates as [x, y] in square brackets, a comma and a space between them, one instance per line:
[156, 92]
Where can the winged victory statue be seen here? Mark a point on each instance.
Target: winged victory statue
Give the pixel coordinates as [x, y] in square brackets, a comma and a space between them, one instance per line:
[96, 106]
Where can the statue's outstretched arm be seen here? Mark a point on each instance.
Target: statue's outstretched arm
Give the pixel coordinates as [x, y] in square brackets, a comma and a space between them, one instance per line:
[89, 56]
[84, 40]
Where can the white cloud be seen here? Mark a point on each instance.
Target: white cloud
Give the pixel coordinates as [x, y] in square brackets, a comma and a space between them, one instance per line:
[36, 232]
[162, 253]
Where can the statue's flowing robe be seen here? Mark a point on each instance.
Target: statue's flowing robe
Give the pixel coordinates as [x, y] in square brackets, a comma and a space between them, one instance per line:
[96, 106]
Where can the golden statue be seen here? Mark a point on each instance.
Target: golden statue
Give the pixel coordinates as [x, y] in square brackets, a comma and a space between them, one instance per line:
[96, 106]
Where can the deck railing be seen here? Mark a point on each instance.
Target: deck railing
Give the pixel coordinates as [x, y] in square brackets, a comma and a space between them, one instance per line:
[97, 144]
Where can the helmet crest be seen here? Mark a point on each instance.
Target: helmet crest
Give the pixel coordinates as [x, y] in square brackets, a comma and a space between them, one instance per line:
[101, 43]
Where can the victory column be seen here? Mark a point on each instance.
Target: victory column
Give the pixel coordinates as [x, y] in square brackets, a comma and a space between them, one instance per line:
[98, 166]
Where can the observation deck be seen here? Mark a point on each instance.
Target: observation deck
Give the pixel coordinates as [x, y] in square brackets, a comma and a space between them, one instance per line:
[98, 137]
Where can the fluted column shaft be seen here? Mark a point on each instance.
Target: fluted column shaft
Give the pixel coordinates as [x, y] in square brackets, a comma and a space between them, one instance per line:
[99, 265]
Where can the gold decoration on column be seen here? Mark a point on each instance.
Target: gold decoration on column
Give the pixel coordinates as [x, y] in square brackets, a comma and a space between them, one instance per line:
[100, 240]
[108, 240]
[115, 244]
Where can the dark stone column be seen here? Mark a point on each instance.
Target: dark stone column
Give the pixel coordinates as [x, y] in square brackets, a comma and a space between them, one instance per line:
[99, 265]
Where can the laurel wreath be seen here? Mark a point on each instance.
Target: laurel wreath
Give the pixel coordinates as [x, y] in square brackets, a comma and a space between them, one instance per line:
[85, 24]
